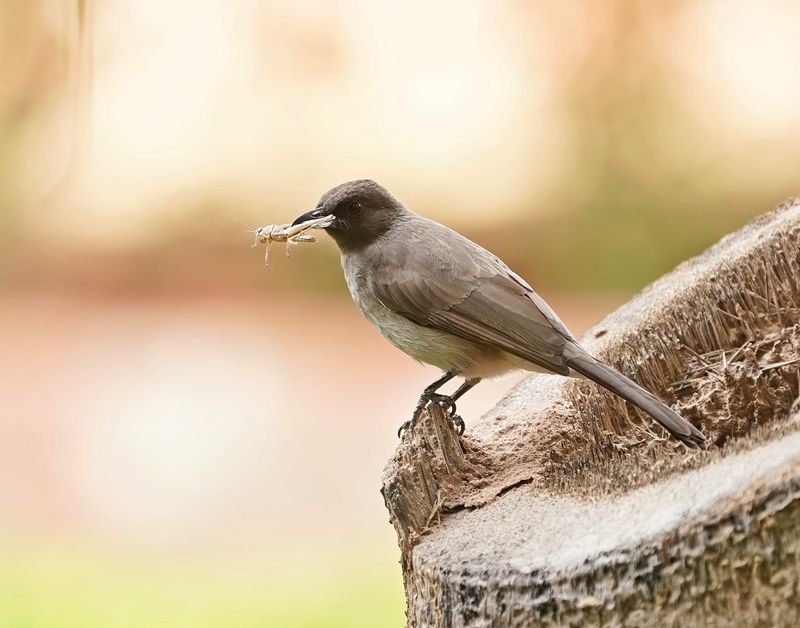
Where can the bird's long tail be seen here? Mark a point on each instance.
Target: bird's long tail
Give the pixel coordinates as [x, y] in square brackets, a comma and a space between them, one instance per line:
[588, 366]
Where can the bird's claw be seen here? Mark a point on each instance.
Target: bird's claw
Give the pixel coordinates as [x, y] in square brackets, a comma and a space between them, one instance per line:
[458, 423]
[404, 426]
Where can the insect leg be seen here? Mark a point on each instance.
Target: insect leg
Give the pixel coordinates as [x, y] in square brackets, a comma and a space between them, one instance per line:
[266, 253]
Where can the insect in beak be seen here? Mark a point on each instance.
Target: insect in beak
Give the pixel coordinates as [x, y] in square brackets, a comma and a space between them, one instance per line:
[291, 234]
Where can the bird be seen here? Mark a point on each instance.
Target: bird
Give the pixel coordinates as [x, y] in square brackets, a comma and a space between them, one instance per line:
[448, 302]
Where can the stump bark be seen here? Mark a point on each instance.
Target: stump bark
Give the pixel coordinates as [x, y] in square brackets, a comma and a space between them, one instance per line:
[564, 506]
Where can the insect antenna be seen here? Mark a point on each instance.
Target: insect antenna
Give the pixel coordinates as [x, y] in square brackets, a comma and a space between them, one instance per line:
[249, 230]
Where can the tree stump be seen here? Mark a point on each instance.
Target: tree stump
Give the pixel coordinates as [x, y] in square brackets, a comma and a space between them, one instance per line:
[565, 506]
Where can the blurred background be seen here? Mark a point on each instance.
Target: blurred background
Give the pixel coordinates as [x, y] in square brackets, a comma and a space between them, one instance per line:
[190, 439]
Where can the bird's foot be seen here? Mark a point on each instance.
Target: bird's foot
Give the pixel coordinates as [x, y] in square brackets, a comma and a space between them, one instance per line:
[449, 406]
[445, 402]
[405, 425]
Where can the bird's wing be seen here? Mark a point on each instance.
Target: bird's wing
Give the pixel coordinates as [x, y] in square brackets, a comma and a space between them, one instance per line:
[481, 301]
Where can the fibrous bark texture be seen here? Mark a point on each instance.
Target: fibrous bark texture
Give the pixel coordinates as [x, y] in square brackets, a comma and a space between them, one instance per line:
[564, 506]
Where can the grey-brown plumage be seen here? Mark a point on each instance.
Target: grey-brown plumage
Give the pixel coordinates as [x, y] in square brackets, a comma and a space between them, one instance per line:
[446, 301]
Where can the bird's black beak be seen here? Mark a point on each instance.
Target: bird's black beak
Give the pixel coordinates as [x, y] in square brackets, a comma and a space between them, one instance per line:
[314, 214]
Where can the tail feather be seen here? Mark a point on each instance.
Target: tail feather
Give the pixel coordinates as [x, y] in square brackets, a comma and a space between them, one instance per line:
[616, 382]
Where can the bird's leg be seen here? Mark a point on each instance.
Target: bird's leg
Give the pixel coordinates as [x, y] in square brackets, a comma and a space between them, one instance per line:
[451, 402]
[429, 394]
[447, 402]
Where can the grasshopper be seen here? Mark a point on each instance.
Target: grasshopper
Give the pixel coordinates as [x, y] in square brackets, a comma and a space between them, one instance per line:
[291, 234]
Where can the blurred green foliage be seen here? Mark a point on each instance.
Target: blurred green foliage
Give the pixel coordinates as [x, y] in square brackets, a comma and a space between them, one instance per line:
[48, 590]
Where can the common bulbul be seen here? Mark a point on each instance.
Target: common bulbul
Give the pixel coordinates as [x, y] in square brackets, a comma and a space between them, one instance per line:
[447, 301]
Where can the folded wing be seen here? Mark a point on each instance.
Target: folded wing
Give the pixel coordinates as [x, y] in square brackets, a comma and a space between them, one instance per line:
[489, 306]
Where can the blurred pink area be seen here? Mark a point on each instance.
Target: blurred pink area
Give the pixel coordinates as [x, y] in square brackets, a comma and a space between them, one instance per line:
[204, 424]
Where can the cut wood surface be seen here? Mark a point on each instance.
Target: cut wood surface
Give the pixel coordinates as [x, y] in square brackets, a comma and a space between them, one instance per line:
[565, 506]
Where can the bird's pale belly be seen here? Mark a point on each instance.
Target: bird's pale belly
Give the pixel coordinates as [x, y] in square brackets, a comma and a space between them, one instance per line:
[430, 346]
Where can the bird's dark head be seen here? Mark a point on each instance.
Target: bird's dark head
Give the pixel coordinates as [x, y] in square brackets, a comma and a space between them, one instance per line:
[363, 211]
